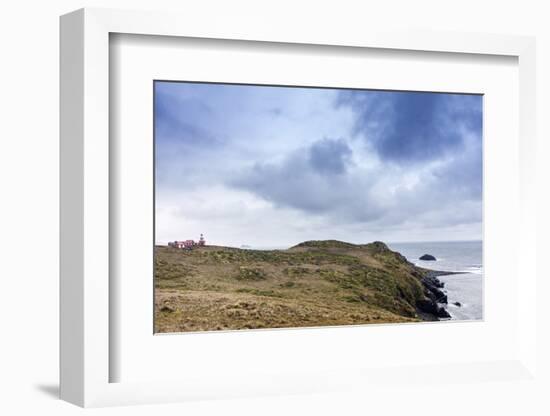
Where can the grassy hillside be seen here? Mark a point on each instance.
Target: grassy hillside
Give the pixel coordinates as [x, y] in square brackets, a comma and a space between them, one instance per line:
[314, 283]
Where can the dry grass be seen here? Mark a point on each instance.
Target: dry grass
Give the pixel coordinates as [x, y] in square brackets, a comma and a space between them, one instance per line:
[312, 284]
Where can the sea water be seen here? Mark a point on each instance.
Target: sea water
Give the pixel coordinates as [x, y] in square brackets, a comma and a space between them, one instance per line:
[455, 256]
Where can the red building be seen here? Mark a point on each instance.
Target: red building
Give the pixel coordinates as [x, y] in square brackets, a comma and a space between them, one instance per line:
[187, 244]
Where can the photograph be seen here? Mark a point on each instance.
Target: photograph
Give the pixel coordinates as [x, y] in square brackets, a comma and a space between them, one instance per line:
[296, 206]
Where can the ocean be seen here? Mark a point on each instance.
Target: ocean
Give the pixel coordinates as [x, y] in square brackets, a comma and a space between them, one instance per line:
[453, 256]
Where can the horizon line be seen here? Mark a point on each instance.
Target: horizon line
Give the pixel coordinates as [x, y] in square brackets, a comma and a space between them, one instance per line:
[333, 239]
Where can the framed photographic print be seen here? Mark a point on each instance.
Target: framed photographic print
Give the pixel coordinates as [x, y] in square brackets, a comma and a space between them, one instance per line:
[288, 183]
[264, 211]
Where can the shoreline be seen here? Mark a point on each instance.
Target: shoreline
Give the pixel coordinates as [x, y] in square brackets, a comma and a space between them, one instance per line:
[432, 309]
[439, 273]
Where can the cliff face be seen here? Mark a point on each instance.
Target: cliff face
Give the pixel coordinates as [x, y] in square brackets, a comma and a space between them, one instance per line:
[314, 283]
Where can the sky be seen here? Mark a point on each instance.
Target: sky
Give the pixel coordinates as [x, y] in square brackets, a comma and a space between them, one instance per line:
[268, 166]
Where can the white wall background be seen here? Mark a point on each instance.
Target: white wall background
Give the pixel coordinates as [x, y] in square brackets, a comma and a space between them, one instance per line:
[29, 208]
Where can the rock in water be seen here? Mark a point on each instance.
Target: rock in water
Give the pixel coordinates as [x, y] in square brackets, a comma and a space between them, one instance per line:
[428, 257]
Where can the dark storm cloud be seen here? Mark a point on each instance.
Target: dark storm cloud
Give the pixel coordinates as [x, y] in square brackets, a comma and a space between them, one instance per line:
[462, 175]
[413, 127]
[329, 156]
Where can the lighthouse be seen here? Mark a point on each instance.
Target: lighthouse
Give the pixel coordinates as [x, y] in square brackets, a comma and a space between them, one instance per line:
[202, 241]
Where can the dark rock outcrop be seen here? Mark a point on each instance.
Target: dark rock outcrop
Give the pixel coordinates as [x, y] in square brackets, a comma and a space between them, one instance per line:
[432, 280]
[428, 306]
[442, 313]
[427, 257]
[434, 296]
[432, 289]
[440, 296]
[457, 304]
[431, 307]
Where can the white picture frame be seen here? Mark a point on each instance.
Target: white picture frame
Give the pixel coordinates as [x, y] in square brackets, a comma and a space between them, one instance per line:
[86, 355]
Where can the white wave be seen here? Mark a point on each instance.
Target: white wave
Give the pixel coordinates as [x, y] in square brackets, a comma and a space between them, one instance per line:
[473, 270]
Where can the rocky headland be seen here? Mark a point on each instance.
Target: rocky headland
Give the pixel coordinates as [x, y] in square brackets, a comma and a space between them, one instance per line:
[314, 283]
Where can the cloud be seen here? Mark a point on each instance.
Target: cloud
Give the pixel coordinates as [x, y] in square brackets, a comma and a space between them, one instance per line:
[413, 127]
[287, 164]
[179, 119]
[376, 195]
[329, 156]
[316, 180]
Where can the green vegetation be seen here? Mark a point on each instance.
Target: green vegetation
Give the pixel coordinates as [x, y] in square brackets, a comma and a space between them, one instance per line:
[314, 283]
